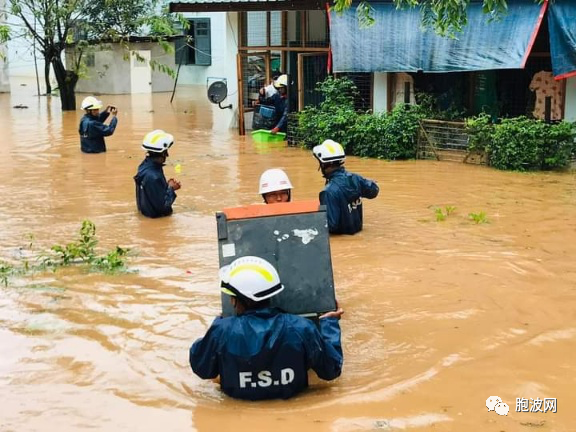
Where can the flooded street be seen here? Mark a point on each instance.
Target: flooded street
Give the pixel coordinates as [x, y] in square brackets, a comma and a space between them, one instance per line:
[440, 315]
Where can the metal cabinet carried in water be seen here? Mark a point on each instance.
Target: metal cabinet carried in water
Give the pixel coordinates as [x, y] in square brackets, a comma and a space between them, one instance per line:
[294, 238]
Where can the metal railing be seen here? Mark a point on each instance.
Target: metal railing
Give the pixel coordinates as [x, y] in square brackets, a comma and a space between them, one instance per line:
[442, 140]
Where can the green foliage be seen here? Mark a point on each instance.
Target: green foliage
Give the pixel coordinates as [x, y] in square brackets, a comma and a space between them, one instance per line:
[112, 19]
[442, 214]
[57, 24]
[365, 14]
[558, 145]
[83, 250]
[480, 130]
[521, 143]
[337, 91]
[334, 116]
[4, 33]
[112, 261]
[6, 270]
[478, 218]
[80, 251]
[524, 144]
[431, 108]
[385, 136]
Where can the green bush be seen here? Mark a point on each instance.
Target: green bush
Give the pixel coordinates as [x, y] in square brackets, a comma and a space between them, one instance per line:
[559, 145]
[480, 130]
[385, 136]
[514, 144]
[521, 143]
[524, 144]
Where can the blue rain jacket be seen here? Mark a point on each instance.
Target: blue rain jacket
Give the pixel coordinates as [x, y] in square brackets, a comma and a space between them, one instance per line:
[281, 110]
[266, 353]
[154, 197]
[93, 130]
[342, 197]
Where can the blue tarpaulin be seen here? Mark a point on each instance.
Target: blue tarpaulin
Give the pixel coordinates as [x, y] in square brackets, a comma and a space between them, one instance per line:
[562, 25]
[398, 43]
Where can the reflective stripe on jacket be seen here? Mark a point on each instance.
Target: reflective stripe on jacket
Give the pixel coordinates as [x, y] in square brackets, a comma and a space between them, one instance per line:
[93, 130]
[342, 197]
[266, 354]
[154, 198]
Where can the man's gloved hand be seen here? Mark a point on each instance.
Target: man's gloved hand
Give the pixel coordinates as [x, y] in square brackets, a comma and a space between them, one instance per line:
[275, 130]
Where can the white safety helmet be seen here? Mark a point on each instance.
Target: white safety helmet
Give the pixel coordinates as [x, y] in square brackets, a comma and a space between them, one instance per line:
[157, 141]
[329, 151]
[273, 180]
[282, 81]
[251, 277]
[90, 103]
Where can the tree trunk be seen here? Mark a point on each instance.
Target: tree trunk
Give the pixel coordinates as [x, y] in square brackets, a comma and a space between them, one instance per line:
[66, 84]
[47, 76]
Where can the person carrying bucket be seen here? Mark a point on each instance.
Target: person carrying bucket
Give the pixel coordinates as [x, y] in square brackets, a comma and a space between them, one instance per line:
[280, 102]
[263, 352]
[344, 191]
[93, 128]
[275, 186]
[155, 195]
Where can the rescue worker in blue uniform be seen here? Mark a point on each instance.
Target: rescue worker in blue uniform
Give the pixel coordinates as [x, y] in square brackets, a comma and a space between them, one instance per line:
[155, 195]
[344, 190]
[93, 128]
[262, 352]
[280, 102]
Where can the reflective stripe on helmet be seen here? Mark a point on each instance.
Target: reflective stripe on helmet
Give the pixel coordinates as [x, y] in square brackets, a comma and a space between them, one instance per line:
[157, 141]
[251, 277]
[254, 267]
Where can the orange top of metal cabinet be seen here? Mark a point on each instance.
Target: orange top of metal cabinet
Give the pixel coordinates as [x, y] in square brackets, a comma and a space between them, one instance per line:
[263, 210]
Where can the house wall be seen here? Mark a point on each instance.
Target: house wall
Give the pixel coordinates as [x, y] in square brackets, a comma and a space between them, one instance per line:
[380, 92]
[223, 36]
[570, 107]
[162, 82]
[111, 73]
[224, 49]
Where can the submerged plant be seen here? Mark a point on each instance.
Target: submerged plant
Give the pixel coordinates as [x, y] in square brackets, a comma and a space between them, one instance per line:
[80, 251]
[478, 218]
[442, 214]
[111, 262]
[6, 270]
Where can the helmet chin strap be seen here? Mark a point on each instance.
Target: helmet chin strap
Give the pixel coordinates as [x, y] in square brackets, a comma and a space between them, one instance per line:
[322, 167]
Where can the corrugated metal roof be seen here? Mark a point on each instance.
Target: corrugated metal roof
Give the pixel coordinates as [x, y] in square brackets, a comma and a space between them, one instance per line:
[245, 5]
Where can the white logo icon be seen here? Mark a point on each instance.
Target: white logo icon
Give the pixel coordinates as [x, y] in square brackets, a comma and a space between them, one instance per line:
[502, 408]
[492, 401]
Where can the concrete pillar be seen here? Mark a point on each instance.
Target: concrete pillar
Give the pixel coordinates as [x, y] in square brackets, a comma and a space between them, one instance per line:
[570, 107]
[380, 92]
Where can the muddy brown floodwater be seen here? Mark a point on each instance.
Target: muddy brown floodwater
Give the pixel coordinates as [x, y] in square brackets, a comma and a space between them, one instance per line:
[439, 315]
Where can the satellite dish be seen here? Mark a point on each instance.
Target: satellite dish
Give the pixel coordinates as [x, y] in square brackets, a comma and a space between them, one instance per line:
[217, 92]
